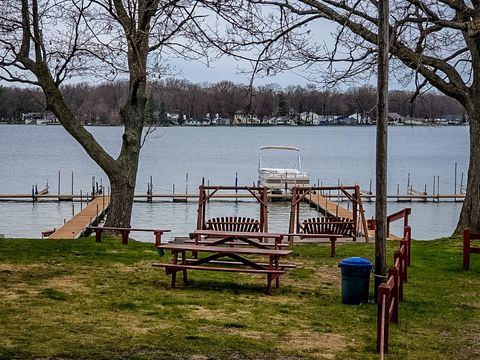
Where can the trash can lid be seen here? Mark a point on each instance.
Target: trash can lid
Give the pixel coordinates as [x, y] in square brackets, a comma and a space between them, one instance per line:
[355, 262]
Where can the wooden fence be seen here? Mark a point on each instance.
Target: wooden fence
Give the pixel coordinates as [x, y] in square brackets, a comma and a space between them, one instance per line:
[390, 293]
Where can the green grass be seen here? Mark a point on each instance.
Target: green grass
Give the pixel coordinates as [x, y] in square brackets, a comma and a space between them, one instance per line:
[80, 299]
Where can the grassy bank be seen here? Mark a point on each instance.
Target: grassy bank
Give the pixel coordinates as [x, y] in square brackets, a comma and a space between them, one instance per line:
[79, 299]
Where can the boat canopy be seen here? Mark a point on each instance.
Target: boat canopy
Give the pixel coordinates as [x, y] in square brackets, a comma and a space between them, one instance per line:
[279, 147]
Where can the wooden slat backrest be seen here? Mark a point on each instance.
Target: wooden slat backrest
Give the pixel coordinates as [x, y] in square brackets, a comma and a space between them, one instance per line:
[328, 225]
[242, 224]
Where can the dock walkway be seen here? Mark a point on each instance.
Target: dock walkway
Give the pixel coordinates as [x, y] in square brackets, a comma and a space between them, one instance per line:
[328, 207]
[73, 228]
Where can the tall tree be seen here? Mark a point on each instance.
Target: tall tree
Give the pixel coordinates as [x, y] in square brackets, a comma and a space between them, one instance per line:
[433, 43]
[46, 42]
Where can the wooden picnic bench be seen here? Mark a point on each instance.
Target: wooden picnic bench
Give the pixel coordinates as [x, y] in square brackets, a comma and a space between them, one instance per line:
[328, 227]
[125, 233]
[240, 263]
[234, 223]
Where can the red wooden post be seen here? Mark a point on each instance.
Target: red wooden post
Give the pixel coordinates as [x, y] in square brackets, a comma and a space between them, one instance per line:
[404, 255]
[408, 236]
[98, 235]
[466, 249]
[158, 237]
[355, 211]
[396, 292]
[125, 236]
[332, 248]
[382, 318]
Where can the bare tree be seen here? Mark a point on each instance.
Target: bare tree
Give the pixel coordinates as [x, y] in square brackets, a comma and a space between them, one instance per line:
[47, 42]
[433, 44]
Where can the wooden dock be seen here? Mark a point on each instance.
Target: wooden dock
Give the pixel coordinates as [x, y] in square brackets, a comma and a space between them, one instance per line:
[328, 207]
[89, 215]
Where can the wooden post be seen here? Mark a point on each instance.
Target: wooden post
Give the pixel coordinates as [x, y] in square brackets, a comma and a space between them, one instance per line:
[265, 210]
[291, 227]
[381, 146]
[466, 249]
[58, 182]
[98, 234]
[201, 207]
[158, 237]
[236, 187]
[125, 236]
[455, 191]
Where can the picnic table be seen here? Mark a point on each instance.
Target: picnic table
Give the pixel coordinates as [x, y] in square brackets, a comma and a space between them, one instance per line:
[256, 239]
[273, 268]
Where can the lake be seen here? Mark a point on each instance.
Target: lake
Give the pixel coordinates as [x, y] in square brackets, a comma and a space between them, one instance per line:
[33, 155]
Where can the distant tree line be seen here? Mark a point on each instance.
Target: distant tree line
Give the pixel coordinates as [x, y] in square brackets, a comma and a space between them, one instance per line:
[99, 104]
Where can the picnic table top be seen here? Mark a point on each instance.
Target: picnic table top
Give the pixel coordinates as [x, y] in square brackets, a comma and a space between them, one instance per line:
[224, 250]
[253, 234]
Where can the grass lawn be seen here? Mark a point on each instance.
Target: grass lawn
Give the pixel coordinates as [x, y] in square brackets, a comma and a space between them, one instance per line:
[80, 299]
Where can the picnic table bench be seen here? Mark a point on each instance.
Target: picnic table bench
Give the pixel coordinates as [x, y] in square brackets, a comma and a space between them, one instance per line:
[240, 264]
[125, 233]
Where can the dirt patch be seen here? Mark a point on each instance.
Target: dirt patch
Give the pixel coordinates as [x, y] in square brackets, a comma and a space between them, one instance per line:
[200, 312]
[67, 284]
[131, 268]
[316, 345]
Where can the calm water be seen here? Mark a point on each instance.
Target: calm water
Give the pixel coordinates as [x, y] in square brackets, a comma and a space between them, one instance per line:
[34, 155]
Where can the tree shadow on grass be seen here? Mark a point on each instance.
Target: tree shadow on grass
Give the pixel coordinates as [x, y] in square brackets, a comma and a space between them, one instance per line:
[229, 286]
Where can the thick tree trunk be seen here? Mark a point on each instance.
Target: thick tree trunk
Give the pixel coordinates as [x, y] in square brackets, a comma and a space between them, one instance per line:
[121, 202]
[123, 180]
[470, 214]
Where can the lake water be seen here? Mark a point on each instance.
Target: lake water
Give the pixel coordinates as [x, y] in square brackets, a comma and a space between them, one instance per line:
[34, 154]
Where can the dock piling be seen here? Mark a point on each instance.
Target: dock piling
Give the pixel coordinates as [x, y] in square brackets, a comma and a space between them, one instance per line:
[455, 185]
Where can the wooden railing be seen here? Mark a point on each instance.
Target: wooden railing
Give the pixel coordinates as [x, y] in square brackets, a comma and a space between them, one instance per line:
[402, 214]
[390, 293]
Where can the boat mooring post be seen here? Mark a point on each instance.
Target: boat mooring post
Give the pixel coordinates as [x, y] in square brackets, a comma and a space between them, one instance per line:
[93, 187]
[81, 200]
[461, 184]
[438, 188]
[58, 182]
[455, 191]
[186, 186]
[433, 192]
[236, 185]
[150, 190]
[72, 184]
[73, 209]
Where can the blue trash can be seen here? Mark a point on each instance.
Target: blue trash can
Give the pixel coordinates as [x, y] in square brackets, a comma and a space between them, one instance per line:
[355, 280]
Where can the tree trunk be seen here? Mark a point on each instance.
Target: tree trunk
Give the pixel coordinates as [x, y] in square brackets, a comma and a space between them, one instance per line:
[470, 214]
[123, 179]
[121, 201]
